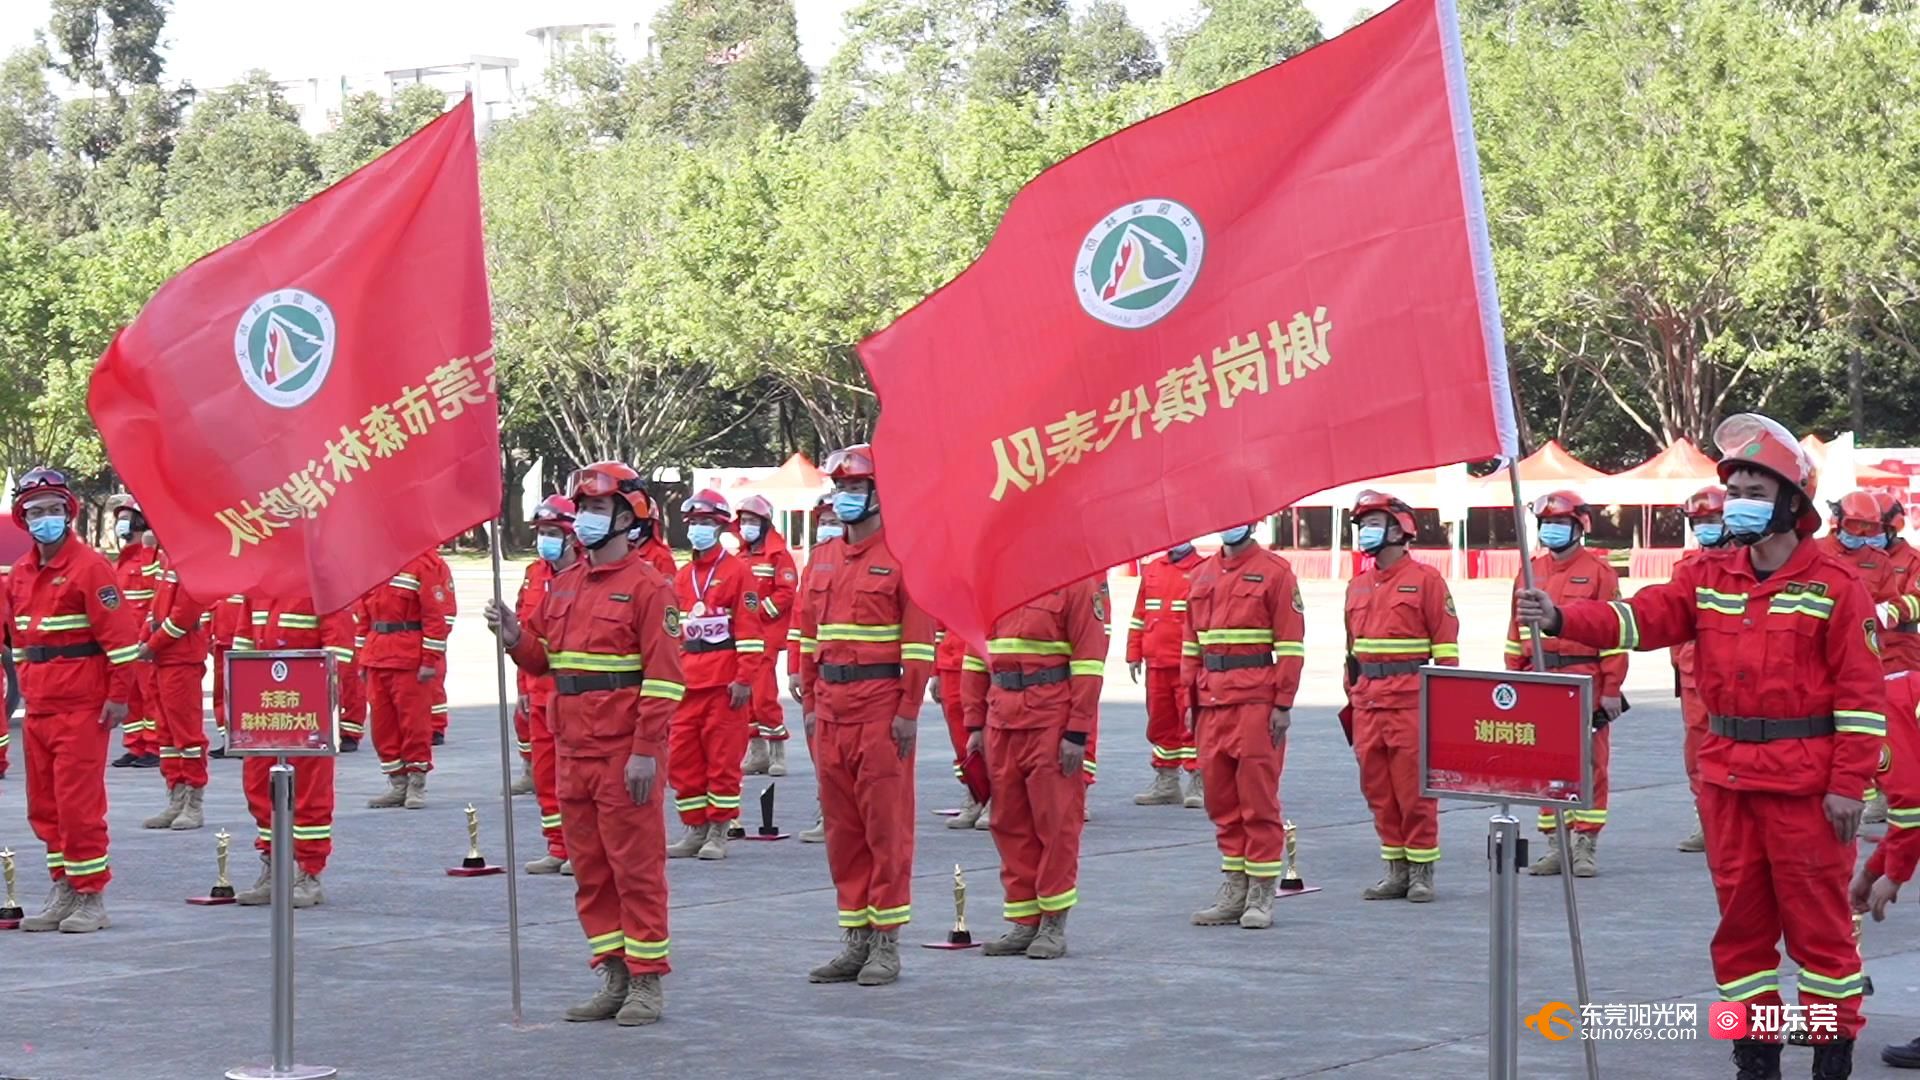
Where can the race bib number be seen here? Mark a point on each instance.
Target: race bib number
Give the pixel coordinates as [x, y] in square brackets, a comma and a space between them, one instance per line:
[709, 628]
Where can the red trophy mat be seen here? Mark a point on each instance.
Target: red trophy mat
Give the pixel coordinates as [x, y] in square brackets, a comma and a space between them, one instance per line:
[483, 870]
[949, 946]
[1282, 894]
[209, 901]
[775, 836]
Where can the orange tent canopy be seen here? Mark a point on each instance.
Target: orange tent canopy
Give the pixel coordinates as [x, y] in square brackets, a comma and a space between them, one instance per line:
[1666, 479]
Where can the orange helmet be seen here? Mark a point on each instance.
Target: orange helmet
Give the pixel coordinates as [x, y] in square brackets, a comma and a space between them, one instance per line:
[707, 501]
[1749, 440]
[1707, 502]
[610, 478]
[1564, 504]
[555, 510]
[758, 506]
[1374, 500]
[1861, 513]
[1893, 513]
[851, 462]
[40, 482]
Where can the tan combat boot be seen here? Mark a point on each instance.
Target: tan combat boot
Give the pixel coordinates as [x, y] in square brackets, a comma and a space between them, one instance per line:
[1012, 943]
[716, 845]
[969, 813]
[982, 823]
[61, 900]
[416, 797]
[646, 1000]
[690, 843]
[1697, 842]
[566, 868]
[395, 795]
[1584, 864]
[523, 784]
[756, 761]
[260, 893]
[883, 959]
[89, 914]
[1548, 865]
[1050, 943]
[176, 797]
[815, 833]
[604, 1004]
[193, 813]
[545, 864]
[1259, 913]
[1420, 883]
[306, 890]
[1165, 790]
[1391, 887]
[776, 757]
[857, 943]
[1228, 903]
[1196, 792]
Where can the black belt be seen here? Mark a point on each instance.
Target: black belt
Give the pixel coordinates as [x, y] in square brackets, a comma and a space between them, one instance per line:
[1020, 680]
[40, 654]
[396, 627]
[1234, 662]
[1398, 667]
[850, 673]
[1556, 661]
[1907, 628]
[1763, 729]
[699, 646]
[570, 685]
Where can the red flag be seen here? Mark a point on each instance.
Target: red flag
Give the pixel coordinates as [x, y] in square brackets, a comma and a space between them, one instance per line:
[1271, 290]
[309, 407]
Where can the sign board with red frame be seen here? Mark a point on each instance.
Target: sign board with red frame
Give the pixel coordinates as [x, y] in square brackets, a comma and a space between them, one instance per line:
[1506, 737]
[282, 704]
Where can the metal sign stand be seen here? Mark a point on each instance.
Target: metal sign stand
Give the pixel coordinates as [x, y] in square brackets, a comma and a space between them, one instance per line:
[1506, 855]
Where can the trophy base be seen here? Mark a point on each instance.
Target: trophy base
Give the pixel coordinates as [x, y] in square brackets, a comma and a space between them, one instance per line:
[209, 901]
[1300, 888]
[483, 870]
[764, 834]
[268, 1072]
[474, 862]
[11, 912]
[736, 831]
[949, 946]
[952, 811]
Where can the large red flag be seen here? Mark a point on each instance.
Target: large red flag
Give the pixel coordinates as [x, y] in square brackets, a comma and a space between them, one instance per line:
[1274, 289]
[306, 409]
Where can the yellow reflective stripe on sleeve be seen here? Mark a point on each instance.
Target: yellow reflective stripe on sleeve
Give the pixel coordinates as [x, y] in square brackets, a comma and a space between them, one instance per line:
[1285, 649]
[1028, 647]
[243, 644]
[1179, 605]
[809, 646]
[125, 655]
[1629, 626]
[341, 653]
[299, 622]
[663, 688]
[22, 622]
[972, 663]
[1136, 624]
[1087, 667]
[771, 612]
[172, 631]
[1262, 636]
[1514, 648]
[1447, 650]
[1857, 722]
[857, 632]
[433, 644]
[749, 645]
[259, 618]
[405, 581]
[1151, 605]
[911, 651]
[1189, 648]
[586, 661]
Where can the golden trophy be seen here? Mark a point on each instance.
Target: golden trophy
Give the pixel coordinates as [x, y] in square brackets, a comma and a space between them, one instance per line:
[959, 937]
[1290, 880]
[10, 911]
[475, 864]
[222, 891]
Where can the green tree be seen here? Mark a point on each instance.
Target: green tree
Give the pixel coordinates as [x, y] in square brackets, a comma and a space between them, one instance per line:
[370, 126]
[242, 160]
[1231, 39]
[724, 70]
[1105, 50]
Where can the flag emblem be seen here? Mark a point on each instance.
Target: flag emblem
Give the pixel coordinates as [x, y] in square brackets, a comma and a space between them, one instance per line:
[1137, 263]
[284, 343]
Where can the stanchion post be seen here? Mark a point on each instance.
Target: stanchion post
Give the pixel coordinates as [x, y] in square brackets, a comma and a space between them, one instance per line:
[282, 774]
[1506, 851]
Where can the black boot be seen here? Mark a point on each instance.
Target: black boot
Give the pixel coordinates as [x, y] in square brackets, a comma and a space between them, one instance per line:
[147, 761]
[1833, 1060]
[1757, 1060]
[439, 738]
[1904, 1055]
[218, 752]
[124, 760]
[349, 744]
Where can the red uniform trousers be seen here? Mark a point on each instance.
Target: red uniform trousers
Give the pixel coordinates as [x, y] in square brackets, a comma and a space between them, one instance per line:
[312, 808]
[1693, 713]
[619, 861]
[402, 722]
[546, 777]
[705, 744]
[140, 734]
[951, 708]
[440, 708]
[1777, 870]
[353, 704]
[1240, 767]
[764, 714]
[1172, 745]
[1037, 818]
[67, 795]
[6, 737]
[183, 727]
[1090, 768]
[1387, 743]
[218, 654]
[1593, 819]
[866, 802]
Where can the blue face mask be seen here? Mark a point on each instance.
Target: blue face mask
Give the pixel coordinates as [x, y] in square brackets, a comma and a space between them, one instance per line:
[1710, 534]
[550, 547]
[829, 532]
[750, 532]
[1557, 535]
[1747, 518]
[703, 537]
[1855, 543]
[48, 530]
[851, 506]
[1370, 538]
[1179, 551]
[1236, 535]
[592, 528]
[123, 529]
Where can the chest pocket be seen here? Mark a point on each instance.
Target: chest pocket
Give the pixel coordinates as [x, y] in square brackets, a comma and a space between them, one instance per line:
[1247, 604]
[1581, 587]
[609, 626]
[1200, 603]
[876, 598]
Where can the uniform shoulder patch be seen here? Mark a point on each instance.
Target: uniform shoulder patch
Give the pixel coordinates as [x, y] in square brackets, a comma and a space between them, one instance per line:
[751, 600]
[109, 597]
[1299, 603]
[1450, 610]
[673, 621]
[881, 570]
[1886, 756]
[1100, 605]
[1256, 578]
[1873, 635]
[787, 575]
[1409, 588]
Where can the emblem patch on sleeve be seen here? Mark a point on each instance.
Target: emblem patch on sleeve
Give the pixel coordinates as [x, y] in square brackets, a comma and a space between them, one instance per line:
[1873, 636]
[1299, 603]
[1886, 757]
[673, 621]
[109, 597]
[1450, 610]
[440, 594]
[1100, 607]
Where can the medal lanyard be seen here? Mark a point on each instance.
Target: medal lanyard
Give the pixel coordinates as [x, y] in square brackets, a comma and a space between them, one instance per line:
[700, 589]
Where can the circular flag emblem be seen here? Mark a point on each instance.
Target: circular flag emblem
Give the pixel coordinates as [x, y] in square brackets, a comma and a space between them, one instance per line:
[1138, 262]
[1505, 697]
[284, 344]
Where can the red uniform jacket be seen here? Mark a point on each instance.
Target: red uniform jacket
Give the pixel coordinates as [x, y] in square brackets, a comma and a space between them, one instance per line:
[1682, 653]
[1803, 643]
[176, 634]
[415, 607]
[1159, 622]
[137, 569]
[617, 620]
[1397, 617]
[857, 614]
[778, 584]
[1900, 608]
[949, 652]
[1244, 611]
[1899, 781]
[1586, 575]
[1056, 646]
[533, 592]
[655, 553]
[796, 642]
[723, 640]
[230, 620]
[74, 638]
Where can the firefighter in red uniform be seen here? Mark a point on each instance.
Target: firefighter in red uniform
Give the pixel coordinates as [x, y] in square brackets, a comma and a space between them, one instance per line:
[1031, 706]
[723, 652]
[649, 537]
[405, 623]
[1399, 616]
[827, 531]
[135, 569]
[227, 623]
[176, 649]
[553, 538]
[442, 580]
[1859, 539]
[1703, 509]
[76, 642]
[1154, 637]
[1892, 863]
[862, 688]
[1788, 668]
[9, 677]
[1242, 648]
[1568, 570]
[949, 660]
[765, 553]
[293, 624]
[1900, 613]
[608, 633]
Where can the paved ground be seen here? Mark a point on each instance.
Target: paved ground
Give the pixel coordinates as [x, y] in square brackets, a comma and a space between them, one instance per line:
[403, 972]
